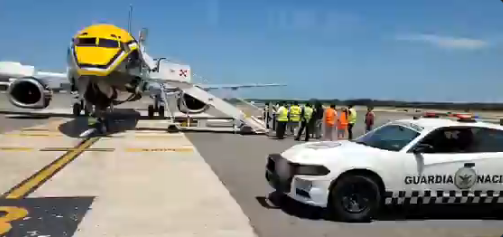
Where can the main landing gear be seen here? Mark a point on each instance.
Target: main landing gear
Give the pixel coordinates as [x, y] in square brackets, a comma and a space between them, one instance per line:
[78, 107]
[156, 107]
[152, 109]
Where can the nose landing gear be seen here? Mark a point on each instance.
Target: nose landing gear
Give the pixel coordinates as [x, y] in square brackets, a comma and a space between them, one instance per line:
[78, 107]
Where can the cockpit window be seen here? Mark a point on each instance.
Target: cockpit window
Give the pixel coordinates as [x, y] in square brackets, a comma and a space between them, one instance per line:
[107, 43]
[85, 42]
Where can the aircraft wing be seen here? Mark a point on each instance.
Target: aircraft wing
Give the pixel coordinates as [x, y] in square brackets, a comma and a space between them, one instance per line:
[236, 86]
[15, 70]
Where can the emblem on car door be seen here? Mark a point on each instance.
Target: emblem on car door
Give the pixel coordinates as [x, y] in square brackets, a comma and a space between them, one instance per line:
[465, 178]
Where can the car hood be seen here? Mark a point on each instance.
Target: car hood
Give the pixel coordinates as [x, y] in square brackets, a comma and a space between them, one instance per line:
[321, 152]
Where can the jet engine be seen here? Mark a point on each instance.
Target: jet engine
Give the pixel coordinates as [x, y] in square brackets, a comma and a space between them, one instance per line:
[190, 105]
[29, 93]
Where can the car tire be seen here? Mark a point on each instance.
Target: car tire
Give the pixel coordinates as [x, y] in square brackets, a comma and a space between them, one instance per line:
[344, 193]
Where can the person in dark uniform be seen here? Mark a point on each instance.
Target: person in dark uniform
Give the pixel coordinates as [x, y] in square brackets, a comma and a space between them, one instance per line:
[307, 122]
[266, 115]
[317, 119]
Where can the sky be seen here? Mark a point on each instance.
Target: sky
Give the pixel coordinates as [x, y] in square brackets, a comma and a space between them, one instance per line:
[427, 50]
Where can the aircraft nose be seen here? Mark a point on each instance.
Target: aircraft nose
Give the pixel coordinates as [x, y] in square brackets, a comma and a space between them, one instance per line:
[95, 56]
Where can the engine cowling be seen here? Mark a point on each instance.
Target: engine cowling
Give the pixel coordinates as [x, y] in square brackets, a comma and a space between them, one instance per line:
[190, 105]
[30, 93]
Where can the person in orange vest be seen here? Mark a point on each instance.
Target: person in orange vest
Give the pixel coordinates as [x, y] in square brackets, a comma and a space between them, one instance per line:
[330, 119]
[342, 124]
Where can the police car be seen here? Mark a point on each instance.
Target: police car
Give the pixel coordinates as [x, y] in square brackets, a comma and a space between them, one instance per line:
[426, 160]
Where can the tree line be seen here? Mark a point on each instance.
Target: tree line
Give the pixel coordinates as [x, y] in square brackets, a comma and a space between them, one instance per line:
[394, 103]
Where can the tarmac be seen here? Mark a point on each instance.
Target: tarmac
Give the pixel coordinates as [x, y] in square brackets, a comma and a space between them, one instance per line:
[140, 182]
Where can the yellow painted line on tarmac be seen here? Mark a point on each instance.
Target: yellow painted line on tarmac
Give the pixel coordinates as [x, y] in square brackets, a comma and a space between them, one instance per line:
[47, 127]
[33, 135]
[17, 149]
[190, 124]
[72, 149]
[181, 149]
[52, 126]
[156, 136]
[30, 184]
[147, 136]
[37, 130]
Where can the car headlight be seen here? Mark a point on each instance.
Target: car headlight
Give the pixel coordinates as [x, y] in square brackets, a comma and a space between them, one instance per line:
[313, 170]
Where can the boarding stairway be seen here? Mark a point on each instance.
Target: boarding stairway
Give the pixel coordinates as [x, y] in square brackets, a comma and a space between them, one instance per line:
[246, 123]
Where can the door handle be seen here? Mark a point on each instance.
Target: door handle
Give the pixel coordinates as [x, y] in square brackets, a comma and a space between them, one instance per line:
[469, 165]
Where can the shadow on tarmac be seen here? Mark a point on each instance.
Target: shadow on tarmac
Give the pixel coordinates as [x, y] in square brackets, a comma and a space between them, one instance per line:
[121, 120]
[389, 213]
[34, 116]
[117, 113]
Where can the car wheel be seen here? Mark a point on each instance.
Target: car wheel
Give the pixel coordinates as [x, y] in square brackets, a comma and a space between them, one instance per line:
[354, 198]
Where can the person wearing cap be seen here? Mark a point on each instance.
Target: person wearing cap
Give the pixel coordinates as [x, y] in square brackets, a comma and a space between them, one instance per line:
[330, 118]
[307, 122]
[351, 121]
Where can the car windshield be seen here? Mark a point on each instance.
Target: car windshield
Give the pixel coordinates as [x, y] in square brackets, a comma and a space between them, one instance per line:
[389, 137]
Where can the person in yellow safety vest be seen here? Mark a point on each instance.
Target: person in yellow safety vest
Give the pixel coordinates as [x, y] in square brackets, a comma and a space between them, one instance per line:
[282, 118]
[294, 117]
[351, 121]
[307, 122]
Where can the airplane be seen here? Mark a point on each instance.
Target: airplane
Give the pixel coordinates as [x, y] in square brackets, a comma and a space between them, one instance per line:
[107, 66]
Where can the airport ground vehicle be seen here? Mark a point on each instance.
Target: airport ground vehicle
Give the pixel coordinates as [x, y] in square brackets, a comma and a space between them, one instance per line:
[425, 160]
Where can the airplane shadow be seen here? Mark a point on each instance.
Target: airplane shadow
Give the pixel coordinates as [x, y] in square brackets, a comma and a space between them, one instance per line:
[27, 117]
[393, 213]
[118, 112]
[120, 120]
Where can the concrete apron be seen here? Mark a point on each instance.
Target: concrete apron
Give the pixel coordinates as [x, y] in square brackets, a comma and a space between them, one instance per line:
[142, 183]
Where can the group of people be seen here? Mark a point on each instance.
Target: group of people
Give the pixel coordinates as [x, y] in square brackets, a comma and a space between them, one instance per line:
[317, 121]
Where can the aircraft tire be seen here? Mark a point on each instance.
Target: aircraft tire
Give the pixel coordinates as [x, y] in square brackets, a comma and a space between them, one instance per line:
[76, 109]
[151, 111]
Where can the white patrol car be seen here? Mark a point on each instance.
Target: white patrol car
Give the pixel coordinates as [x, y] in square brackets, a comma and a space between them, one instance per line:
[409, 161]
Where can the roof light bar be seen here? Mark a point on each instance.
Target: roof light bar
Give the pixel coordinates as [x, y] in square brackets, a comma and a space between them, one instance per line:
[430, 115]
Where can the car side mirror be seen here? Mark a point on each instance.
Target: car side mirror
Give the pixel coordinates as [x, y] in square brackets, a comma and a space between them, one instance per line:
[422, 148]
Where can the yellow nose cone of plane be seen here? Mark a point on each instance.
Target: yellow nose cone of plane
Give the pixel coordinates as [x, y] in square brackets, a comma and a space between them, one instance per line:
[99, 49]
[95, 56]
